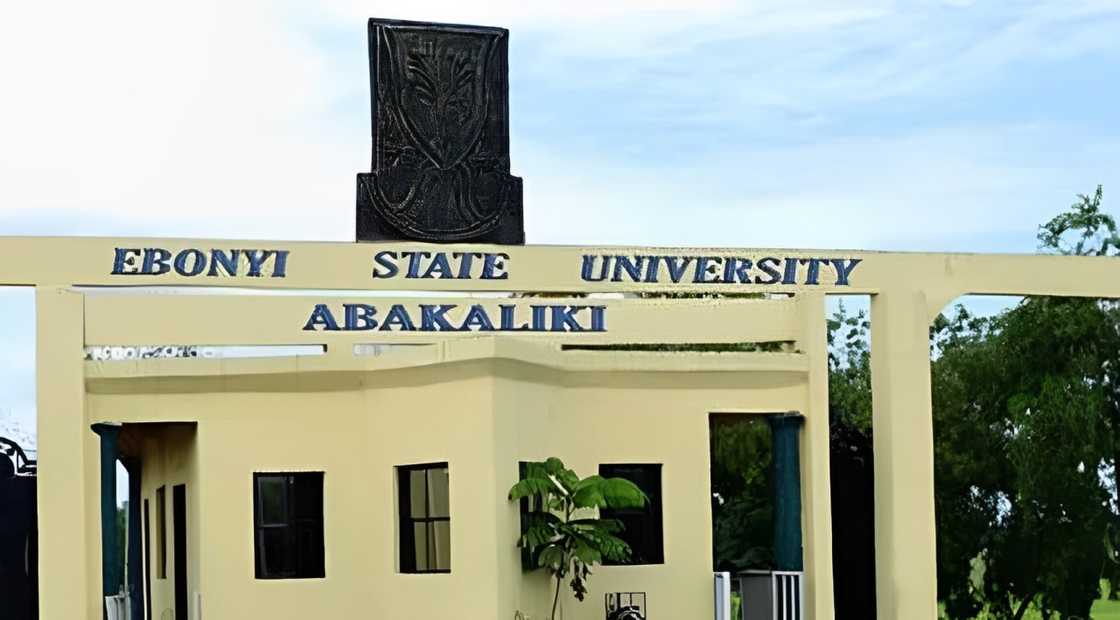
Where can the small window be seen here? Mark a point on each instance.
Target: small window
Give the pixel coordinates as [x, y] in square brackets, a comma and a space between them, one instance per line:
[161, 533]
[643, 527]
[425, 518]
[288, 519]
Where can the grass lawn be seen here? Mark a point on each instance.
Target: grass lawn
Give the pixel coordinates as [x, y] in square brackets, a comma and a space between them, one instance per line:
[1106, 610]
[1103, 609]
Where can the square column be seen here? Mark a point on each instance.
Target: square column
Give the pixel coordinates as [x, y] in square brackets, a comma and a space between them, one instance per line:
[69, 548]
[109, 434]
[902, 418]
[815, 462]
[786, 457]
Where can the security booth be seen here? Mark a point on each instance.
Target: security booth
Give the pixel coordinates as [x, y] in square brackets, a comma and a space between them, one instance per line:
[375, 478]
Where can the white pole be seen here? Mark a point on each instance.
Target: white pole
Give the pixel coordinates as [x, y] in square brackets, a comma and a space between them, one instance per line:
[723, 596]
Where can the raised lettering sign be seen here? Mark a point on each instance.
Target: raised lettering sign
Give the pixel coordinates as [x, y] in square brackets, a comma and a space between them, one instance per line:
[192, 262]
[457, 318]
[655, 269]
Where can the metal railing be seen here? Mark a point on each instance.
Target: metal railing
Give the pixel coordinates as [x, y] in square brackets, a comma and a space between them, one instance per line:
[789, 595]
[770, 595]
[24, 465]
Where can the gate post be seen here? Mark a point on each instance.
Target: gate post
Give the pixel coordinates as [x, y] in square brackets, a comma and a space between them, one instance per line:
[67, 481]
[816, 485]
[110, 572]
[902, 418]
[788, 554]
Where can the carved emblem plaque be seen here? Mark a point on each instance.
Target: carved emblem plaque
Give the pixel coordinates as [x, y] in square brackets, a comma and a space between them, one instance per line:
[440, 119]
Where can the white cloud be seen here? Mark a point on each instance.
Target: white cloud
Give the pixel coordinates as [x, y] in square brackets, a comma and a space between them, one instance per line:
[247, 119]
[797, 123]
[139, 110]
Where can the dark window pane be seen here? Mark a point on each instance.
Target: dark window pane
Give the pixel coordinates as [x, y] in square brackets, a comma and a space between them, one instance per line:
[273, 553]
[309, 545]
[273, 494]
[289, 525]
[308, 501]
[642, 527]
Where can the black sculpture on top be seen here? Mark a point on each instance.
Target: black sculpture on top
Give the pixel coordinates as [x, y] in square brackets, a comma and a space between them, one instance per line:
[440, 103]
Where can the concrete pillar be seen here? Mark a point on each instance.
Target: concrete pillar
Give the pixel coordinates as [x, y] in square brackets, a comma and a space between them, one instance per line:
[109, 434]
[135, 545]
[816, 478]
[67, 452]
[902, 415]
[788, 552]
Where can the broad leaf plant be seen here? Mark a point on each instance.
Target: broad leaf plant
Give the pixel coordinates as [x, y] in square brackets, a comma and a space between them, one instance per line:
[564, 532]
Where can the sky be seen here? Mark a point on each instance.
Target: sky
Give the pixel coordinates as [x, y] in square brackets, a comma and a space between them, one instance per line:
[942, 125]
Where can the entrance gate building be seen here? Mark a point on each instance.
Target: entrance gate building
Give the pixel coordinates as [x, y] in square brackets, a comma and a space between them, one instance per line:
[480, 397]
[370, 480]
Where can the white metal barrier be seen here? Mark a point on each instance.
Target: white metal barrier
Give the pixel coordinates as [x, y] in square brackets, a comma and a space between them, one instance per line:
[723, 596]
[116, 607]
[772, 595]
[789, 595]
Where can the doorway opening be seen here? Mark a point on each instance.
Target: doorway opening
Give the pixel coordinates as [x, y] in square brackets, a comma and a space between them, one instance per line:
[742, 479]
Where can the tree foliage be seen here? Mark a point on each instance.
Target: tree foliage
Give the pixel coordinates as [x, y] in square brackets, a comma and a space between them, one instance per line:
[849, 371]
[742, 496]
[1026, 408]
[1092, 230]
[565, 534]
[1026, 430]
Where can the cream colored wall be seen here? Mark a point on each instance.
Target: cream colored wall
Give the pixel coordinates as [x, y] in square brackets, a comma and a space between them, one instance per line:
[170, 457]
[481, 416]
[588, 419]
[356, 433]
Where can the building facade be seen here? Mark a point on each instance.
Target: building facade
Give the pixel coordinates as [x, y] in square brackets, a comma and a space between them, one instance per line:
[371, 479]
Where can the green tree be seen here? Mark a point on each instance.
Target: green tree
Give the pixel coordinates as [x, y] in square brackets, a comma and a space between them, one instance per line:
[565, 534]
[1025, 422]
[1085, 230]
